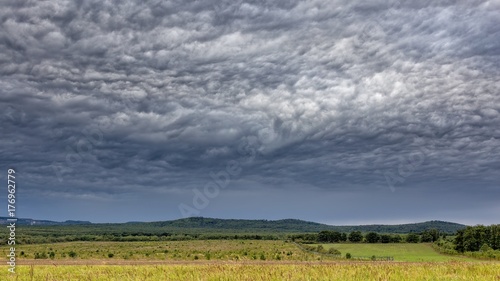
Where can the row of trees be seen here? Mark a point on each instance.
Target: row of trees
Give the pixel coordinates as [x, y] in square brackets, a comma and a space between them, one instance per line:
[327, 236]
[478, 238]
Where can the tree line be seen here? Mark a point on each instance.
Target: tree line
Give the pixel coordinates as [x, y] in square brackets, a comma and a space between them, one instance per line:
[478, 238]
[329, 236]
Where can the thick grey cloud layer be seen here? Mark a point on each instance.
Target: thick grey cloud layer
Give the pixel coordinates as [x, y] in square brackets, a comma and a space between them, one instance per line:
[118, 98]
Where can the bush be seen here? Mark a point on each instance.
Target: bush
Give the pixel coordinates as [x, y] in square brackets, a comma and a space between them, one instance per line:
[110, 255]
[348, 255]
[72, 254]
[333, 251]
[42, 255]
[485, 248]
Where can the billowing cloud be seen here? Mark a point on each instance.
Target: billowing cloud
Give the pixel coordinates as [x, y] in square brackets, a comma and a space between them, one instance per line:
[111, 98]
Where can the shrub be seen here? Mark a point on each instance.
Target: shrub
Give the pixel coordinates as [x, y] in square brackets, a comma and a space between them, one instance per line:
[42, 255]
[72, 254]
[110, 255]
[333, 251]
[348, 255]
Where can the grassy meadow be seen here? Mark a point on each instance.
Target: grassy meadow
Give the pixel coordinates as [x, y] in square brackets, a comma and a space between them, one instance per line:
[243, 272]
[169, 250]
[238, 260]
[410, 252]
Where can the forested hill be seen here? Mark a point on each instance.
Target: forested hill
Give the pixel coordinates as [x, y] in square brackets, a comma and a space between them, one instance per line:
[294, 225]
[209, 225]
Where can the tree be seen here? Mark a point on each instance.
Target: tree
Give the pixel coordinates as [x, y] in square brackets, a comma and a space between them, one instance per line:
[336, 236]
[473, 238]
[372, 237]
[426, 237]
[355, 236]
[396, 238]
[329, 236]
[385, 238]
[459, 241]
[430, 235]
[343, 237]
[412, 238]
[324, 236]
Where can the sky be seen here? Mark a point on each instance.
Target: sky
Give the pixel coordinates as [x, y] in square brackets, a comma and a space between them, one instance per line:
[340, 112]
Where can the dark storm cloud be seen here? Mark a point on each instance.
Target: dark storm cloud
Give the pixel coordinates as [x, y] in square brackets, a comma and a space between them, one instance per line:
[112, 97]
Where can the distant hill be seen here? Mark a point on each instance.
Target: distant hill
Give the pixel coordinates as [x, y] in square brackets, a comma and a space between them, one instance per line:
[205, 225]
[25, 221]
[294, 225]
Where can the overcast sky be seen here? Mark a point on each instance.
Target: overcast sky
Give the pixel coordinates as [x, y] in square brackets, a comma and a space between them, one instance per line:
[342, 112]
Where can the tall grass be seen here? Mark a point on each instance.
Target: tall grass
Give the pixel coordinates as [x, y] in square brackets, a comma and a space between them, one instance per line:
[255, 272]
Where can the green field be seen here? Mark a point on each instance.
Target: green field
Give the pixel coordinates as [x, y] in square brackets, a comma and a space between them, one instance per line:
[421, 252]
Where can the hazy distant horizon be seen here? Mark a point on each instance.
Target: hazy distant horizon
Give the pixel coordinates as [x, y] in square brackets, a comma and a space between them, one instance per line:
[398, 222]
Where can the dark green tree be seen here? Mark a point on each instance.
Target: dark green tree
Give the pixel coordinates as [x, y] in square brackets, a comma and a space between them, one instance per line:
[412, 238]
[372, 237]
[324, 236]
[343, 237]
[426, 237]
[355, 236]
[396, 238]
[385, 238]
[329, 236]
